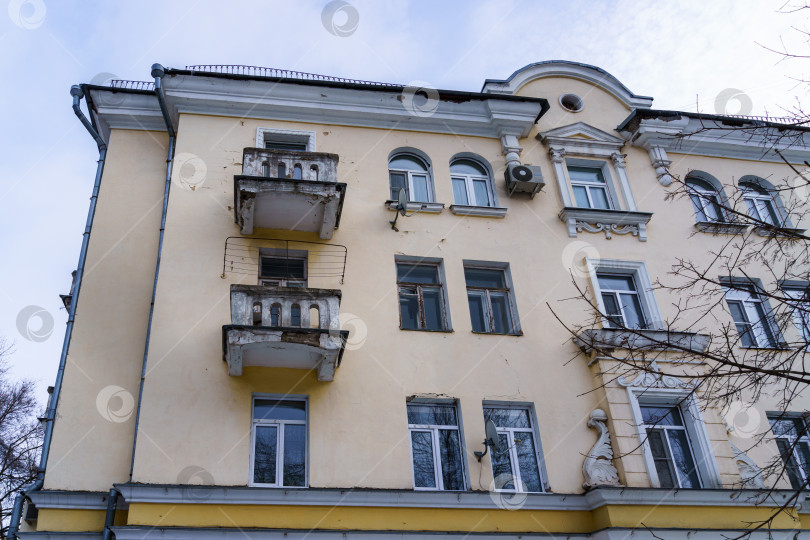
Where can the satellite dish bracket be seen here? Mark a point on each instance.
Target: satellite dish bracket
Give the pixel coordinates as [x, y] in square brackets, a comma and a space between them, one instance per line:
[491, 440]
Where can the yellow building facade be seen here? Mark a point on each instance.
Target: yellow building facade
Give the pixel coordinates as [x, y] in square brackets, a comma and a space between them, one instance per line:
[304, 302]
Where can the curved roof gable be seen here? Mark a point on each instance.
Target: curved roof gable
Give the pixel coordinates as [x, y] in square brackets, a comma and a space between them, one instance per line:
[563, 68]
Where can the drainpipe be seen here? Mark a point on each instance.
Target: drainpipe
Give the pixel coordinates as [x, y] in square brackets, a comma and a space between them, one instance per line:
[50, 415]
[109, 518]
[157, 72]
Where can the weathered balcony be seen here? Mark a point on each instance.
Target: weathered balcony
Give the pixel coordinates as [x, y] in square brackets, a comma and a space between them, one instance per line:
[284, 327]
[284, 189]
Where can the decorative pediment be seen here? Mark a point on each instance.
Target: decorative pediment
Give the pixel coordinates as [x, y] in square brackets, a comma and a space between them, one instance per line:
[582, 139]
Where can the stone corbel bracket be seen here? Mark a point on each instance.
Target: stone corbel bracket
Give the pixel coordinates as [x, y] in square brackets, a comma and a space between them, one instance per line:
[598, 468]
[656, 136]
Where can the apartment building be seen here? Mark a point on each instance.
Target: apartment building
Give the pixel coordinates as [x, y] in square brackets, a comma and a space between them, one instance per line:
[316, 307]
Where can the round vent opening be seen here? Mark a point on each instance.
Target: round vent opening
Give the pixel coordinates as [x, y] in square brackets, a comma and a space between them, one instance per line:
[572, 102]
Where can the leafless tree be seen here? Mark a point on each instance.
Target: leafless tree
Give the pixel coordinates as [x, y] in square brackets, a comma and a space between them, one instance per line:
[20, 436]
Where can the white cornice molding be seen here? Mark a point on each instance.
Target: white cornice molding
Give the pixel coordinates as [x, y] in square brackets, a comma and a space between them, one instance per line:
[682, 134]
[572, 70]
[582, 139]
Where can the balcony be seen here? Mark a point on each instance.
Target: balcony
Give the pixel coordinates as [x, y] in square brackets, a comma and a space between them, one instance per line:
[284, 189]
[284, 327]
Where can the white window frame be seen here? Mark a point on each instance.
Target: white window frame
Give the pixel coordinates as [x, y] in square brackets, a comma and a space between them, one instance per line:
[641, 277]
[792, 442]
[280, 439]
[759, 200]
[745, 295]
[434, 438]
[704, 199]
[510, 433]
[431, 190]
[604, 168]
[696, 432]
[286, 135]
[800, 294]
[469, 185]
[510, 294]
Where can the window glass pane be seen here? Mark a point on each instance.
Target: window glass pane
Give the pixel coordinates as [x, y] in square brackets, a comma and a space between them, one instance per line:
[599, 198]
[803, 452]
[295, 444]
[408, 308]
[502, 464]
[762, 327]
[264, 455]
[467, 166]
[476, 300]
[274, 409]
[282, 145]
[581, 197]
[586, 174]
[682, 456]
[397, 182]
[481, 192]
[460, 191]
[481, 277]
[450, 455]
[752, 208]
[741, 321]
[714, 209]
[417, 273]
[661, 416]
[616, 282]
[420, 193]
[432, 302]
[767, 212]
[791, 467]
[432, 415]
[283, 267]
[634, 317]
[787, 427]
[663, 466]
[513, 418]
[502, 323]
[527, 460]
[612, 309]
[423, 467]
[406, 162]
[697, 204]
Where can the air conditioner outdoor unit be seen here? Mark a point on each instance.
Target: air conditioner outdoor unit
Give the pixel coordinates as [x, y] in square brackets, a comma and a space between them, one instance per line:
[524, 179]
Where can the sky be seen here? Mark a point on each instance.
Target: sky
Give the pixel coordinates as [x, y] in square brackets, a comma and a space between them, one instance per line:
[710, 57]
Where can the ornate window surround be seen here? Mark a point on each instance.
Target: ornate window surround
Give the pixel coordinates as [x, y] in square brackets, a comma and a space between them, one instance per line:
[657, 388]
[638, 269]
[580, 144]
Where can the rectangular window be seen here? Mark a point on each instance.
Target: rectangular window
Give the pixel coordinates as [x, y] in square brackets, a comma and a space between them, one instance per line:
[421, 296]
[670, 446]
[516, 466]
[490, 300]
[279, 442]
[288, 270]
[799, 301]
[589, 187]
[621, 300]
[790, 433]
[435, 447]
[750, 315]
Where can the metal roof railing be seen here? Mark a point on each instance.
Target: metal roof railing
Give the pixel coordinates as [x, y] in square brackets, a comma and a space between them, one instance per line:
[132, 85]
[257, 71]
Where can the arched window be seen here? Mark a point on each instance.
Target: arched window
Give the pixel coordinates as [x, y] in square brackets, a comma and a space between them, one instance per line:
[706, 200]
[760, 202]
[408, 172]
[472, 185]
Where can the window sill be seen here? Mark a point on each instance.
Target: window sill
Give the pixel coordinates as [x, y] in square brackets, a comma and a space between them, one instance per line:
[610, 339]
[448, 331]
[516, 334]
[780, 232]
[429, 207]
[481, 211]
[607, 221]
[721, 227]
[776, 348]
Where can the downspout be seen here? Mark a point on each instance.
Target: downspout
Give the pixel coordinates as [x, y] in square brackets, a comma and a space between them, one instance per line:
[157, 72]
[50, 415]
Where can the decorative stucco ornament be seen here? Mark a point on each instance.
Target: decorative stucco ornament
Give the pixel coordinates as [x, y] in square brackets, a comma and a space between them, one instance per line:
[598, 468]
[750, 474]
